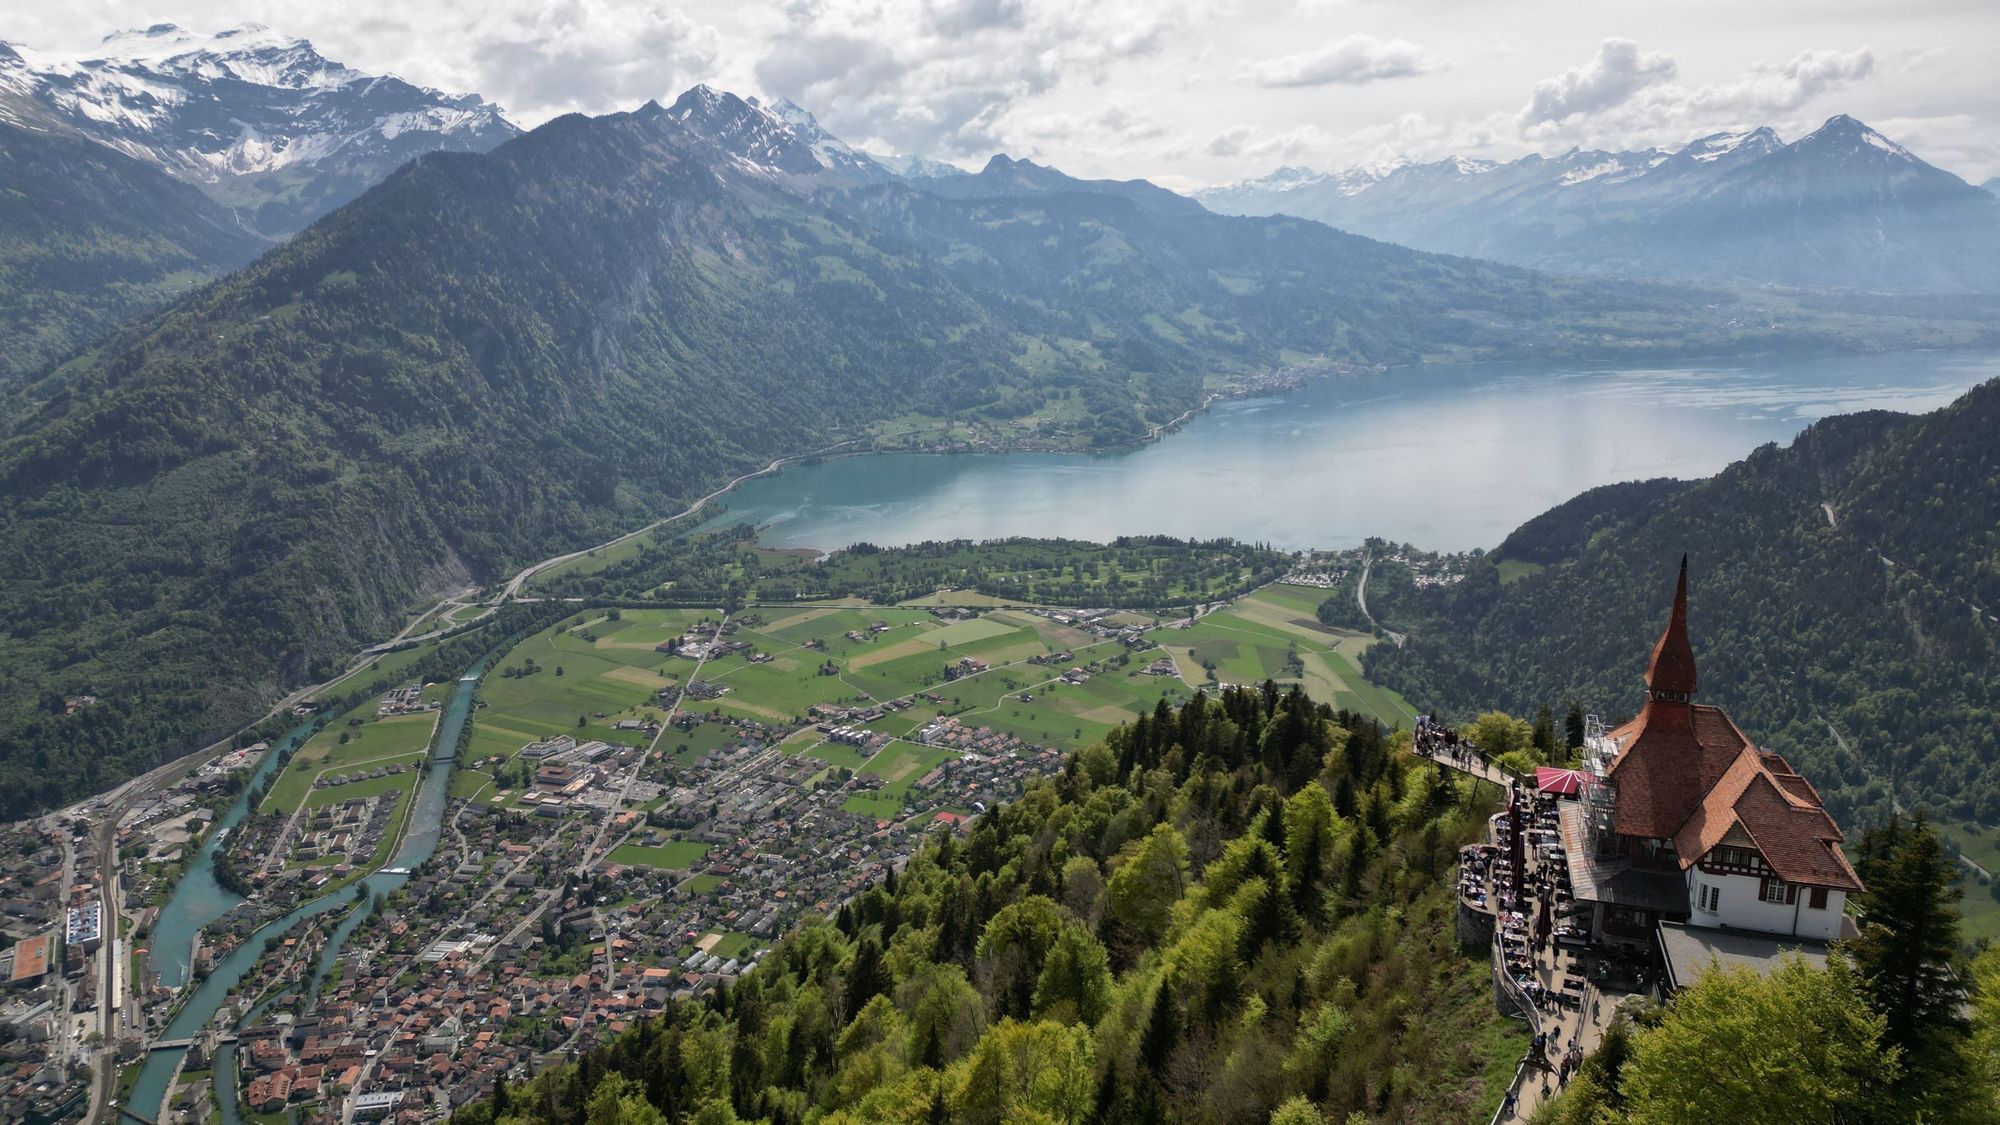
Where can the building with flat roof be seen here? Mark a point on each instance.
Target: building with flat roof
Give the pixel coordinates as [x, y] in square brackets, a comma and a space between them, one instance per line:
[85, 929]
[32, 957]
[377, 1103]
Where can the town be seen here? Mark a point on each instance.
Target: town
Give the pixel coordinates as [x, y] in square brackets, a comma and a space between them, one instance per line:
[639, 804]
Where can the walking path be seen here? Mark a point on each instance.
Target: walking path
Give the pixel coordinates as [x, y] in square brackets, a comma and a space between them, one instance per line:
[1538, 975]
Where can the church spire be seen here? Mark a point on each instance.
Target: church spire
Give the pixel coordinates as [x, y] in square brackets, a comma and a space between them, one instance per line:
[1670, 675]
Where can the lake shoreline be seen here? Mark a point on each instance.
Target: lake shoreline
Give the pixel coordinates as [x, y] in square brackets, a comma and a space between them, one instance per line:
[1872, 381]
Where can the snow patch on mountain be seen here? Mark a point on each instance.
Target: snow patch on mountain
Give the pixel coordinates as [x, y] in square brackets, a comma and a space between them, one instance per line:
[242, 102]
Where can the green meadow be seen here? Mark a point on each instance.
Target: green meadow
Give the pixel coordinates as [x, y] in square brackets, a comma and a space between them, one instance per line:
[587, 667]
[375, 741]
[675, 855]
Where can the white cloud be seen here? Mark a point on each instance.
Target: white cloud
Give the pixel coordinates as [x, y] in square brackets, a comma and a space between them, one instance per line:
[1629, 114]
[1619, 71]
[540, 59]
[958, 79]
[944, 77]
[961, 17]
[1353, 61]
[1768, 89]
[1230, 143]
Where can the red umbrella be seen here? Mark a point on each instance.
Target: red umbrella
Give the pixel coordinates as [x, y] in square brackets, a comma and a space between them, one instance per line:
[1555, 779]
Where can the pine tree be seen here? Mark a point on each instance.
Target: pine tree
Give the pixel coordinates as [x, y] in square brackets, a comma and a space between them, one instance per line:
[1544, 736]
[1163, 1030]
[1909, 933]
[867, 978]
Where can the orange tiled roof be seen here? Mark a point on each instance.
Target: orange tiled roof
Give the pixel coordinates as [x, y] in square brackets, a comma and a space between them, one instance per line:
[1780, 813]
[1685, 772]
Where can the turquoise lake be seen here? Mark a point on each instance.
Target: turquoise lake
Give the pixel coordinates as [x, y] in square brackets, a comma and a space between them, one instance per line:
[1448, 458]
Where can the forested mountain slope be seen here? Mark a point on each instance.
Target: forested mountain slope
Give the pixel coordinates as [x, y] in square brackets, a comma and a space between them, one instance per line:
[1845, 595]
[90, 238]
[1244, 905]
[492, 356]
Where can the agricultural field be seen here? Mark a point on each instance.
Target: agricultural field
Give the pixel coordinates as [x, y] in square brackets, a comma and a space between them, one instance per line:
[1272, 634]
[345, 748]
[581, 676]
[1980, 907]
[593, 560]
[585, 674]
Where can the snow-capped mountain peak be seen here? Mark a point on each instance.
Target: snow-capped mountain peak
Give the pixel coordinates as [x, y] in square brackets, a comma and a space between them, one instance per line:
[779, 140]
[921, 167]
[1842, 133]
[1842, 206]
[1717, 146]
[221, 110]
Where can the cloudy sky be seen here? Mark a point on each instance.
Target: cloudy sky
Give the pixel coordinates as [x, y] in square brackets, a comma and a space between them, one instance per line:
[1186, 92]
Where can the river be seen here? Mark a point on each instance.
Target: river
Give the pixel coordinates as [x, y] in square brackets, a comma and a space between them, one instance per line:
[1447, 458]
[201, 891]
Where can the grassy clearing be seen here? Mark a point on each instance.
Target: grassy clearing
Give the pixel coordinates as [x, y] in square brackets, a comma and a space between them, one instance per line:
[367, 787]
[675, 855]
[466, 784]
[1513, 570]
[963, 633]
[1300, 600]
[1258, 637]
[838, 754]
[900, 764]
[374, 742]
[592, 561]
[881, 808]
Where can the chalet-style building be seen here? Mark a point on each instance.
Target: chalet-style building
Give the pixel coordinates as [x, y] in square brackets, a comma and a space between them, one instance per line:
[1688, 830]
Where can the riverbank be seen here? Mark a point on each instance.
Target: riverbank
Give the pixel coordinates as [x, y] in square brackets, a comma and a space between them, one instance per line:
[198, 1009]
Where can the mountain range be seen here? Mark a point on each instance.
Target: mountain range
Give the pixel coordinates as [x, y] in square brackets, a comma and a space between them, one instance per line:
[260, 121]
[490, 357]
[1842, 207]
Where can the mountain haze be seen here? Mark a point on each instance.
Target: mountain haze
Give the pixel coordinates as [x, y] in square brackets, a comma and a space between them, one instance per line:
[90, 238]
[491, 357]
[1841, 207]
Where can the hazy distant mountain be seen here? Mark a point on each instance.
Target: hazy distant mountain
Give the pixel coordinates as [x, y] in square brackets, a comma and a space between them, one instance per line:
[1007, 178]
[1992, 185]
[89, 238]
[258, 120]
[1844, 206]
[921, 167]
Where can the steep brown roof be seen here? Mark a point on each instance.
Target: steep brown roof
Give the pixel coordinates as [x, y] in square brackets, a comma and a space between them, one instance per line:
[1669, 758]
[1781, 815]
[1671, 669]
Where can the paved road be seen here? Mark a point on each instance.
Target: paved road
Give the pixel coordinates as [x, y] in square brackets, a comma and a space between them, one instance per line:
[1361, 599]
